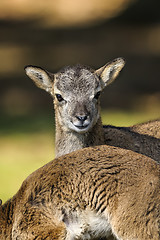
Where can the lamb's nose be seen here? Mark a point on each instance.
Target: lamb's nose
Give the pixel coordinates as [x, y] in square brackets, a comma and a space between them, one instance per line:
[81, 118]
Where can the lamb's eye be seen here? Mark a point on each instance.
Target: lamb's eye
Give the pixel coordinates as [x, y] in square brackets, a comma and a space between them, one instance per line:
[97, 95]
[59, 97]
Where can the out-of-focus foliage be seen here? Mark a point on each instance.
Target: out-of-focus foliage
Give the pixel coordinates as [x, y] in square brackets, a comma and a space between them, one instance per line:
[60, 13]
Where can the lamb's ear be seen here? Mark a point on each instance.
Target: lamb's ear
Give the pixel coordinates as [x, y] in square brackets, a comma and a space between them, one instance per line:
[110, 71]
[40, 77]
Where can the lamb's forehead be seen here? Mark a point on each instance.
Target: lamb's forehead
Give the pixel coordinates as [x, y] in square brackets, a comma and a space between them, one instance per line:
[76, 78]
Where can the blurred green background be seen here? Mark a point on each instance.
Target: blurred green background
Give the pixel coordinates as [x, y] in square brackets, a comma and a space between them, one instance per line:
[52, 34]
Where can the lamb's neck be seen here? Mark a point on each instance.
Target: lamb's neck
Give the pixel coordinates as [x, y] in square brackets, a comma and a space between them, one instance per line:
[69, 141]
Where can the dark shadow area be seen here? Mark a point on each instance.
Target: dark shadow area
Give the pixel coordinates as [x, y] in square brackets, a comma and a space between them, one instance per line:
[26, 124]
[141, 12]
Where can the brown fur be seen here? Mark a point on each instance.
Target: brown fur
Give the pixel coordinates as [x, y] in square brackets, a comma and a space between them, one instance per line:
[87, 194]
[142, 138]
[151, 128]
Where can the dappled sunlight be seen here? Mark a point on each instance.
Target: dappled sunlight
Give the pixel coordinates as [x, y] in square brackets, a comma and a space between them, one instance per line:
[62, 12]
[13, 58]
[153, 39]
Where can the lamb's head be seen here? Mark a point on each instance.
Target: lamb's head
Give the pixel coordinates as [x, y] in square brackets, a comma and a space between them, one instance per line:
[76, 92]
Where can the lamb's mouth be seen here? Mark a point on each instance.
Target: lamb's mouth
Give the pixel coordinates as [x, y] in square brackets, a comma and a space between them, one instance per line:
[82, 127]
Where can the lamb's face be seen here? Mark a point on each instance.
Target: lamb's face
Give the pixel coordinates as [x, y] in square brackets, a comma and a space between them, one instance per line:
[76, 92]
[76, 98]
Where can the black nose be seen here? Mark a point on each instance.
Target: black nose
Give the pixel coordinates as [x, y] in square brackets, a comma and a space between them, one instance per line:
[81, 118]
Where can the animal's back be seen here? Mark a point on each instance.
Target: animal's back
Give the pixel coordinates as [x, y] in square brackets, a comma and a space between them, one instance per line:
[141, 138]
[73, 193]
[151, 128]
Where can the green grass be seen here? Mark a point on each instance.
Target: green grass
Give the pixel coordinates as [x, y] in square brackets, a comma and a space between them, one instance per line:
[27, 143]
[21, 155]
[128, 118]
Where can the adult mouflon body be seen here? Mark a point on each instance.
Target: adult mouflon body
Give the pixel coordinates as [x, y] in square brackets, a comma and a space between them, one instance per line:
[142, 138]
[88, 194]
[76, 91]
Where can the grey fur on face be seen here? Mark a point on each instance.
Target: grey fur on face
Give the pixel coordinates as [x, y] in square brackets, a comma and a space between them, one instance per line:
[77, 78]
[78, 87]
